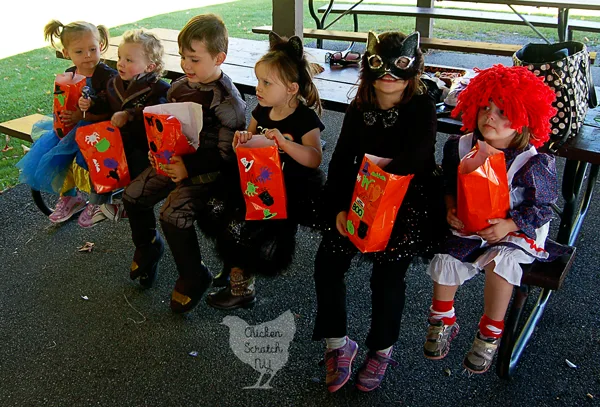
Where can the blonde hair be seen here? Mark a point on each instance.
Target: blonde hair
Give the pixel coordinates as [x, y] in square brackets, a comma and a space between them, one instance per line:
[207, 28]
[291, 69]
[55, 30]
[153, 49]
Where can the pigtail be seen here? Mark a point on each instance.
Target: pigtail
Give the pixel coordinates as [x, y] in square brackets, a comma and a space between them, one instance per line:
[104, 38]
[308, 89]
[52, 31]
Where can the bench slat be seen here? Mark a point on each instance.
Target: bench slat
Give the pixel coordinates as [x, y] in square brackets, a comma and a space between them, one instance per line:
[548, 275]
[584, 147]
[426, 43]
[21, 128]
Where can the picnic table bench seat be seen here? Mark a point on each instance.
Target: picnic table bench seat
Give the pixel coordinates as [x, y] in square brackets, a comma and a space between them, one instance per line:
[443, 44]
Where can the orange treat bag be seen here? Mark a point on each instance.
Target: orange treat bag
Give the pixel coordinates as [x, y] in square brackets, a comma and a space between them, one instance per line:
[375, 203]
[102, 147]
[482, 187]
[172, 129]
[261, 177]
[67, 91]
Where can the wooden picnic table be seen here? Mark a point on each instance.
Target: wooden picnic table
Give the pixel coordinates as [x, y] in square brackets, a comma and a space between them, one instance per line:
[563, 7]
[336, 85]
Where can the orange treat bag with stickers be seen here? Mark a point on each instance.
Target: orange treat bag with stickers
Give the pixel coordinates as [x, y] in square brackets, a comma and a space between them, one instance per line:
[375, 203]
[67, 91]
[261, 177]
[102, 148]
[172, 129]
[482, 187]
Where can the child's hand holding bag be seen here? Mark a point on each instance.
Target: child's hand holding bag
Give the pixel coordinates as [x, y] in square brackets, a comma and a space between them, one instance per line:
[482, 188]
[261, 178]
[173, 129]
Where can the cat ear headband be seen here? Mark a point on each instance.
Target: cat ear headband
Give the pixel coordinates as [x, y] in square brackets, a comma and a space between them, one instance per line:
[294, 46]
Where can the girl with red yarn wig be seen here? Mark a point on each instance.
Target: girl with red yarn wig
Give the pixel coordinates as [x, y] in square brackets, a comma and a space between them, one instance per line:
[510, 109]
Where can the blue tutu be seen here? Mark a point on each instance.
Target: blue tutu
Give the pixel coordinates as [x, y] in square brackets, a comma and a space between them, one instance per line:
[47, 168]
[29, 163]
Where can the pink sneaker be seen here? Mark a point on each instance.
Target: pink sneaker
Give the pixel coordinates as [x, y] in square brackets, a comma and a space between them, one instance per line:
[90, 216]
[372, 371]
[66, 207]
[339, 365]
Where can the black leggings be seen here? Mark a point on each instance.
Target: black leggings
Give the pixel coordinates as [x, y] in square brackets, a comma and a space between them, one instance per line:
[387, 293]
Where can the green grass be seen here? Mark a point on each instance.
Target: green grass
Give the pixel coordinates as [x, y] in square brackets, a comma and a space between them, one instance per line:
[28, 78]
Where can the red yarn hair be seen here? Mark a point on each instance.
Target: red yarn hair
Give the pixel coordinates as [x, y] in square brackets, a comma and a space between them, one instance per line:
[524, 97]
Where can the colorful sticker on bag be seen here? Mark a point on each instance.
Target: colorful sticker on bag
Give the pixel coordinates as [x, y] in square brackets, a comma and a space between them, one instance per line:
[261, 180]
[375, 203]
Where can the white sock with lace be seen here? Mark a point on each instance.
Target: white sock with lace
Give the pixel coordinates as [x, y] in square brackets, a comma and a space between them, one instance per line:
[336, 343]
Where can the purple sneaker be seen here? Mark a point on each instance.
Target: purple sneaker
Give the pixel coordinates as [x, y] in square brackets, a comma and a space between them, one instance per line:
[90, 216]
[66, 207]
[339, 365]
[370, 374]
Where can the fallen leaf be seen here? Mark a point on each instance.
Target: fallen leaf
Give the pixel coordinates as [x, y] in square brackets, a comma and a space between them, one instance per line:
[84, 297]
[571, 364]
[87, 247]
[447, 372]
[590, 396]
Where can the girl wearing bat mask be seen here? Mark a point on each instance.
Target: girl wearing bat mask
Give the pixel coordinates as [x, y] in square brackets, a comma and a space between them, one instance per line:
[391, 117]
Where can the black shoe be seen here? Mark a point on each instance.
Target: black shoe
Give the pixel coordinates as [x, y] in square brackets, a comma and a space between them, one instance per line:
[145, 262]
[224, 299]
[187, 294]
[222, 279]
[239, 293]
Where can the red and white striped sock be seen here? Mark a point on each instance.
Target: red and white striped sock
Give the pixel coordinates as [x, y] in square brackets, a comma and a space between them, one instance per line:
[442, 310]
[490, 328]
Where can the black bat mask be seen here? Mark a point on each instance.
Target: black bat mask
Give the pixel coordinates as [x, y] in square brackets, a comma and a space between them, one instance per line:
[399, 62]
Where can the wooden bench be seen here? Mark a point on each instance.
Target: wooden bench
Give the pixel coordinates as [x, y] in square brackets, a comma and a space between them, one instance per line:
[443, 44]
[21, 128]
[426, 43]
[459, 14]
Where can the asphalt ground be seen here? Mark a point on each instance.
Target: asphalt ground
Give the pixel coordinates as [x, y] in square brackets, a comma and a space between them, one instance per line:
[75, 331]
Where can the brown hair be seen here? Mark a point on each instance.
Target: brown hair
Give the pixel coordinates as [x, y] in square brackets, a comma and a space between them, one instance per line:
[365, 95]
[208, 28]
[292, 69]
[153, 49]
[64, 33]
[521, 139]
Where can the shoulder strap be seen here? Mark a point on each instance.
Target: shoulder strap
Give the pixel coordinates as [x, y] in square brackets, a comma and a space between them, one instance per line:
[465, 144]
[519, 162]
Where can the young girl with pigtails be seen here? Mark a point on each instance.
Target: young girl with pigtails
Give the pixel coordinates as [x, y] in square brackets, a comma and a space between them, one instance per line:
[48, 166]
[287, 100]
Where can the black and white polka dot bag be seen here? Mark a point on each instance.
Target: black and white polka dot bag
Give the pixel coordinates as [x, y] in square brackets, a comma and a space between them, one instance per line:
[565, 67]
